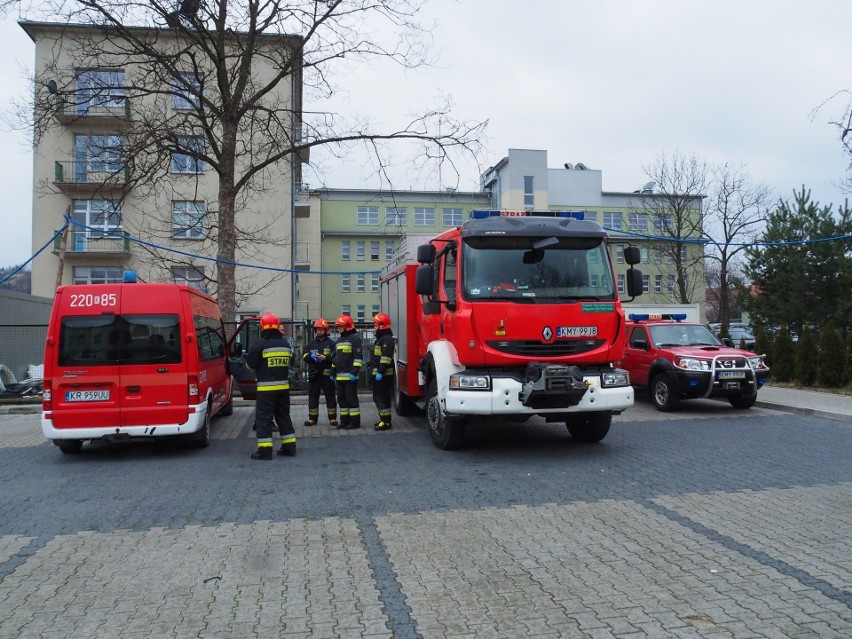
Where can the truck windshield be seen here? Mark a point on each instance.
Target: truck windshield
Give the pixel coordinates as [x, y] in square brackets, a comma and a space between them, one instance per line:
[536, 270]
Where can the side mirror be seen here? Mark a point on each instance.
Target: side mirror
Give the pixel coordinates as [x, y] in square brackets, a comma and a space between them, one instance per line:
[425, 254]
[424, 281]
[634, 281]
[632, 255]
[640, 344]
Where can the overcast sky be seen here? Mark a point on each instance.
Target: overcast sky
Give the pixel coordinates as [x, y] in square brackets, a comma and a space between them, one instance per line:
[613, 84]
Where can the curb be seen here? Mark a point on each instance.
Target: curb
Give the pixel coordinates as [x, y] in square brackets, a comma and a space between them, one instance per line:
[813, 412]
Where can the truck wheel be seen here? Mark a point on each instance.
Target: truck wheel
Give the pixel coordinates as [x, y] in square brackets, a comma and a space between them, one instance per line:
[446, 434]
[402, 403]
[201, 439]
[589, 427]
[69, 446]
[743, 402]
[662, 394]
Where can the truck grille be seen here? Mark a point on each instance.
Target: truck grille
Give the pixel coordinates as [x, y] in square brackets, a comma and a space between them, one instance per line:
[534, 348]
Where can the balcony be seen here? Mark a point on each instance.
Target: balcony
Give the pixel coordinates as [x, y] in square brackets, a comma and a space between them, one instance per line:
[301, 257]
[82, 178]
[114, 113]
[301, 199]
[94, 243]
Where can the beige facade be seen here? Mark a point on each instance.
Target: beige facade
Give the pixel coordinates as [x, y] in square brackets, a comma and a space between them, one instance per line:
[162, 228]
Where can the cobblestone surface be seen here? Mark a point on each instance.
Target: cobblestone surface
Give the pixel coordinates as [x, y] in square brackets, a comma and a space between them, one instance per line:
[707, 523]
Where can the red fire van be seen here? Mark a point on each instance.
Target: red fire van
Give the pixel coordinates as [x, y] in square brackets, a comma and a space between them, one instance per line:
[133, 360]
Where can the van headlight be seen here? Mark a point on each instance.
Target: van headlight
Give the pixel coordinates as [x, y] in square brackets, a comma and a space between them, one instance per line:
[615, 378]
[466, 381]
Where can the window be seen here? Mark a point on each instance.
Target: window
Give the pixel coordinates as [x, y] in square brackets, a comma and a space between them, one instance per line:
[374, 310]
[189, 161]
[100, 91]
[389, 250]
[344, 283]
[188, 219]
[187, 91]
[646, 283]
[451, 217]
[637, 221]
[592, 216]
[359, 250]
[663, 222]
[190, 276]
[368, 215]
[396, 216]
[612, 220]
[619, 254]
[529, 191]
[97, 154]
[669, 258]
[671, 283]
[424, 217]
[645, 254]
[344, 250]
[683, 253]
[347, 310]
[621, 283]
[102, 217]
[97, 275]
[658, 283]
[658, 256]
[211, 341]
[374, 250]
[359, 283]
[374, 284]
[360, 317]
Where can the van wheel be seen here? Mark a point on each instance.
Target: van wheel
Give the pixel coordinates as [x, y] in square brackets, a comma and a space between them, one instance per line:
[662, 394]
[69, 446]
[743, 403]
[589, 427]
[201, 439]
[402, 403]
[446, 434]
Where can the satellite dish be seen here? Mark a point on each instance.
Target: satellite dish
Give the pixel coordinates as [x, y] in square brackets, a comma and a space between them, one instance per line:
[649, 187]
[568, 166]
[581, 167]
[52, 88]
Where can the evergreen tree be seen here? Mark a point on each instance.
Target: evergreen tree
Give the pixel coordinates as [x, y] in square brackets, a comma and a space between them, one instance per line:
[849, 356]
[831, 362]
[783, 357]
[806, 359]
[762, 345]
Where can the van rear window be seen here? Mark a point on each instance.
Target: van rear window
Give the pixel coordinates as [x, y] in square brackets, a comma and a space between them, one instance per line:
[107, 340]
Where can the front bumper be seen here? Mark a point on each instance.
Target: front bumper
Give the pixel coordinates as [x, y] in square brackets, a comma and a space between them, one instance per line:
[695, 384]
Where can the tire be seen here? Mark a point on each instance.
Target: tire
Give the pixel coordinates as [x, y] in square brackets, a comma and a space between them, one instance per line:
[589, 428]
[743, 402]
[446, 434]
[201, 439]
[69, 446]
[402, 403]
[662, 394]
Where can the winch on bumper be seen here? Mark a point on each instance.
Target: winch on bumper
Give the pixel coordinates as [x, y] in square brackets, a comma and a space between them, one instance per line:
[552, 386]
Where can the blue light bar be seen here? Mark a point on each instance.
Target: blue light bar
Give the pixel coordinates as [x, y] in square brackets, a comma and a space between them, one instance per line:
[129, 277]
[482, 214]
[641, 317]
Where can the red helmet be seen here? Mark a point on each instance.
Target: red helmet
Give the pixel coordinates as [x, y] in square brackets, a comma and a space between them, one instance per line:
[346, 322]
[270, 320]
[382, 320]
[321, 323]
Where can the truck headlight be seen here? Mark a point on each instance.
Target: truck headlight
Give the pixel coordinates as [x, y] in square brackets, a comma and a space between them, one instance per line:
[692, 364]
[466, 381]
[615, 378]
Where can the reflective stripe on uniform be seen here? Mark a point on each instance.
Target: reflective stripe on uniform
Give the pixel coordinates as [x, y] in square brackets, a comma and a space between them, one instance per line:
[264, 443]
[344, 347]
[272, 386]
[289, 440]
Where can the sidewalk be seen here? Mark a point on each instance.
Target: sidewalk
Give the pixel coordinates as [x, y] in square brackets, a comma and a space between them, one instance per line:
[803, 402]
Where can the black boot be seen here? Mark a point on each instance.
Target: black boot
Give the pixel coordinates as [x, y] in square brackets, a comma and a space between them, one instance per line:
[263, 454]
[287, 450]
[354, 423]
[383, 425]
[311, 422]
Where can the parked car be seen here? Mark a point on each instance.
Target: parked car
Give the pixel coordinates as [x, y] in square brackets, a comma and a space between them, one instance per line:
[673, 360]
[740, 334]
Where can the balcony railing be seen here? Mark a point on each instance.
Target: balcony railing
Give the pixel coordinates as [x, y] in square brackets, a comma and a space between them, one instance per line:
[301, 199]
[89, 174]
[68, 112]
[87, 241]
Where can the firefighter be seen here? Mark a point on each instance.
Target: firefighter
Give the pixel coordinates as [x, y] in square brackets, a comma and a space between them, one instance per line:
[345, 365]
[269, 359]
[317, 359]
[382, 369]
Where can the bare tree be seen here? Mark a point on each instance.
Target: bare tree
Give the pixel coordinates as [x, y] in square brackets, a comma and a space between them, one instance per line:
[240, 67]
[735, 213]
[674, 207]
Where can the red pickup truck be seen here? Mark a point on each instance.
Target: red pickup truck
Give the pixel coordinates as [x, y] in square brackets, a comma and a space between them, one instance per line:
[674, 360]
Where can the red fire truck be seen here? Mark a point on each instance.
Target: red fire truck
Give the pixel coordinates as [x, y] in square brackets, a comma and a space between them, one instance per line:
[514, 313]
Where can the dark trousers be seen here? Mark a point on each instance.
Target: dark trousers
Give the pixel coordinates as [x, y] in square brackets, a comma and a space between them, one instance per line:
[382, 390]
[274, 405]
[347, 399]
[316, 384]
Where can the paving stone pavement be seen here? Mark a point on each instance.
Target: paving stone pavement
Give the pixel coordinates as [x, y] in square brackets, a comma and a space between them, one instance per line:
[709, 523]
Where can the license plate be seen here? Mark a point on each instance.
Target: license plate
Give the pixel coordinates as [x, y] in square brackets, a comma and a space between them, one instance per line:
[87, 396]
[576, 331]
[731, 374]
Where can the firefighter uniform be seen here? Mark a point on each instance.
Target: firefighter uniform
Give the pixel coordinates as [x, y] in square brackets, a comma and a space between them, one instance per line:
[381, 369]
[270, 359]
[317, 359]
[345, 366]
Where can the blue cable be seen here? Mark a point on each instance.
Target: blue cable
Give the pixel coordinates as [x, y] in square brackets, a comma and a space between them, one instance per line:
[46, 244]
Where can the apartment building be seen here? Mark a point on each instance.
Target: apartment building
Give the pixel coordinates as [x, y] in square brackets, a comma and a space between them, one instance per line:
[158, 214]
